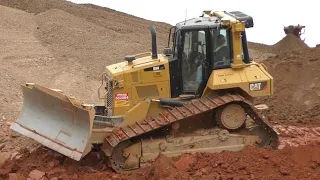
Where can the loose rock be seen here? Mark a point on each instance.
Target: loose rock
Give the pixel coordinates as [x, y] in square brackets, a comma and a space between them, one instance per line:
[37, 175]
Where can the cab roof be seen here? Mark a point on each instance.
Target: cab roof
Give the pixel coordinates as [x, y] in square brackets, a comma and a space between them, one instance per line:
[203, 21]
[199, 23]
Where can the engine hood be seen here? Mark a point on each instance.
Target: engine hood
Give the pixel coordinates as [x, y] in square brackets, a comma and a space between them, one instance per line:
[140, 63]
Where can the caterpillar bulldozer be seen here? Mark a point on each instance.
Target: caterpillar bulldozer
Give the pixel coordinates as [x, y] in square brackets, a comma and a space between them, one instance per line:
[195, 96]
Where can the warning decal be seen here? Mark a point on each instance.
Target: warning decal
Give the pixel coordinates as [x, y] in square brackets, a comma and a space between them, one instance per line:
[121, 99]
[122, 96]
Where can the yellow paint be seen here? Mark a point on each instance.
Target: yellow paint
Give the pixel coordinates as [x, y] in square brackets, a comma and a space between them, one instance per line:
[140, 85]
[137, 113]
[241, 78]
[121, 103]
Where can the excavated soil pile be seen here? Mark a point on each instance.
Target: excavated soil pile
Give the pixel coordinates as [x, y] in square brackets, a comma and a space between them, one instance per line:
[259, 51]
[62, 45]
[288, 43]
[297, 86]
[301, 163]
[259, 47]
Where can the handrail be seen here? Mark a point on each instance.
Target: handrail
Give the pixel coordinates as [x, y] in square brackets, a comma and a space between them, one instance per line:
[99, 89]
[140, 55]
[146, 62]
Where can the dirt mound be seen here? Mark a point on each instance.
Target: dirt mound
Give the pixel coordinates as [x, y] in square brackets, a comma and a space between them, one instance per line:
[63, 45]
[257, 55]
[261, 51]
[301, 162]
[297, 86]
[34, 6]
[81, 41]
[162, 168]
[22, 57]
[92, 43]
[259, 47]
[288, 43]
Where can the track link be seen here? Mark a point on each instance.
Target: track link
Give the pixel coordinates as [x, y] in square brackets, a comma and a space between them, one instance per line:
[193, 107]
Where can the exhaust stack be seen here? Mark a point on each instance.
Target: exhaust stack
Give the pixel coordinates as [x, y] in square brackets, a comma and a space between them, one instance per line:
[154, 42]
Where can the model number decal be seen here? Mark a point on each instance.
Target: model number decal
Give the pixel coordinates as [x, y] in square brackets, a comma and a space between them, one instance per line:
[258, 86]
[155, 68]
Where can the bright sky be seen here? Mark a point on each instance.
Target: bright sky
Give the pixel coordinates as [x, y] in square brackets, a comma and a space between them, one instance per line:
[269, 16]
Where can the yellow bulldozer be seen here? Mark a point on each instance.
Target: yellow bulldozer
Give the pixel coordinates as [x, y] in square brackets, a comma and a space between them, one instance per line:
[195, 96]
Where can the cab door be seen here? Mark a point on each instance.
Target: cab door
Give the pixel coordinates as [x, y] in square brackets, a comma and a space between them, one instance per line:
[194, 62]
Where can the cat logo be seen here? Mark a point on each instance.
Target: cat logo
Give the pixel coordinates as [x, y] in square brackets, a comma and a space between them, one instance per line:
[258, 86]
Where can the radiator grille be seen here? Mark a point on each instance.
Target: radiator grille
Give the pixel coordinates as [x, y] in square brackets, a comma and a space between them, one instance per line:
[109, 98]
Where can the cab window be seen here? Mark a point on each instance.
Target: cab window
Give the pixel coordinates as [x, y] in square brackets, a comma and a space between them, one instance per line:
[221, 49]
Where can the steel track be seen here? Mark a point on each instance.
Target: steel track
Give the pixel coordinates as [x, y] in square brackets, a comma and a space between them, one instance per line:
[193, 107]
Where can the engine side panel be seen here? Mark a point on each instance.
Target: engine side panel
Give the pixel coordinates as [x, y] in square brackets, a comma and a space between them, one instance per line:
[253, 79]
[145, 78]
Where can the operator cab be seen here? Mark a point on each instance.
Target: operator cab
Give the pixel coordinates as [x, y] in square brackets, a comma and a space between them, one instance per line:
[199, 46]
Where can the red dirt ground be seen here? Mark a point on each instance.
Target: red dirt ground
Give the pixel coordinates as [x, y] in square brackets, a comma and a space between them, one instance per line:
[301, 163]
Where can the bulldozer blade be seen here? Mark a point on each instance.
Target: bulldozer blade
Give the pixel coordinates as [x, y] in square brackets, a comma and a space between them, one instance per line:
[55, 120]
